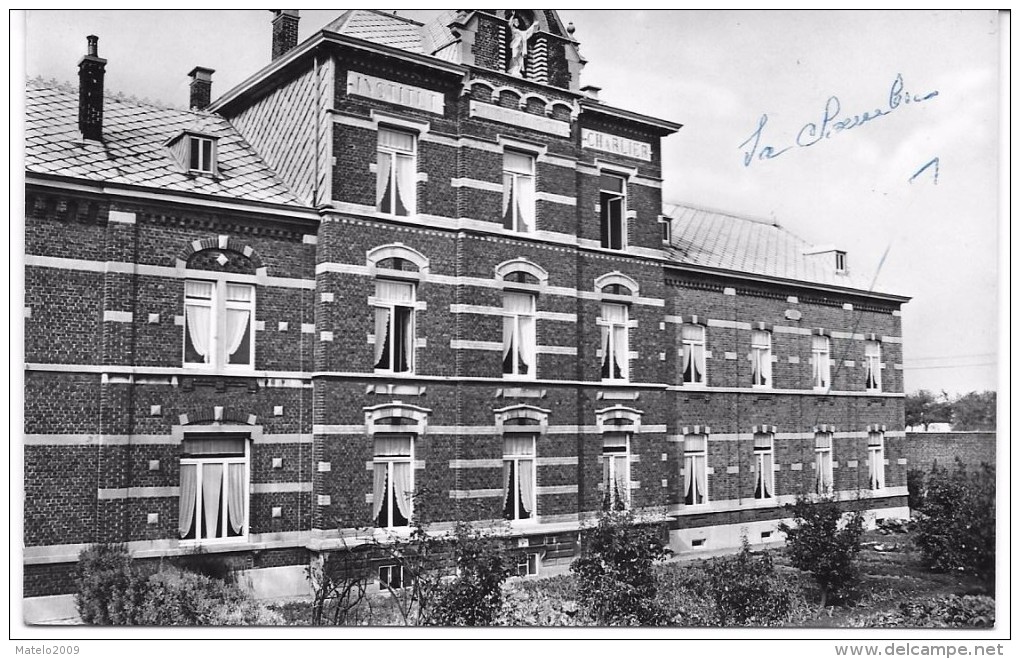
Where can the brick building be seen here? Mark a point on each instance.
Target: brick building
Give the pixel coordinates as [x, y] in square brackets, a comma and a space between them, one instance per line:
[407, 258]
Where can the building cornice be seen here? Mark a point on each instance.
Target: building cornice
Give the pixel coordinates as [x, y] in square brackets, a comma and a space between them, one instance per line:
[798, 283]
[283, 212]
[596, 107]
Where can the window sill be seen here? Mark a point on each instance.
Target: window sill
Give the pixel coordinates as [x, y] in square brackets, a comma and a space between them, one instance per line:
[218, 545]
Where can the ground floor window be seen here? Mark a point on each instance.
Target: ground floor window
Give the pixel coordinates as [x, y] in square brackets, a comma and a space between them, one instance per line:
[876, 460]
[214, 488]
[518, 476]
[616, 471]
[393, 484]
[823, 463]
[695, 469]
[764, 476]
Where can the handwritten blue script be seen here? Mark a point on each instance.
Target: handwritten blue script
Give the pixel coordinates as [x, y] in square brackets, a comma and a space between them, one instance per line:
[832, 123]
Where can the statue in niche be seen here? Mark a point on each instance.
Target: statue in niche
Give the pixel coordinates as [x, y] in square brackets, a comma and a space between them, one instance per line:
[522, 28]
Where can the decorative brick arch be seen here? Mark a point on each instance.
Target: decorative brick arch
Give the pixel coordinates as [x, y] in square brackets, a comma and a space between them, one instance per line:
[498, 92]
[522, 265]
[217, 414]
[484, 84]
[396, 417]
[220, 242]
[618, 419]
[535, 418]
[551, 108]
[619, 278]
[397, 251]
[538, 97]
[763, 430]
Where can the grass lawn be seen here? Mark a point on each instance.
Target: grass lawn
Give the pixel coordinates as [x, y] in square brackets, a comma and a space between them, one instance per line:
[890, 578]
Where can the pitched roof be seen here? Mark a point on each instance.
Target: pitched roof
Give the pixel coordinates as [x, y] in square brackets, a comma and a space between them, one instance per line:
[723, 241]
[134, 151]
[379, 27]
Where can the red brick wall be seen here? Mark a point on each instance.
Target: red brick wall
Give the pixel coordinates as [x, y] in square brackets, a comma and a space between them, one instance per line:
[972, 448]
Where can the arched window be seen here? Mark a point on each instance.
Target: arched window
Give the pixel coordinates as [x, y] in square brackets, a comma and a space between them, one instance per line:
[213, 504]
[394, 429]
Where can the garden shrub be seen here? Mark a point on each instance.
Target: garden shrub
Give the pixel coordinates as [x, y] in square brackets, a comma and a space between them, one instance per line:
[956, 525]
[110, 589]
[826, 545]
[536, 607]
[474, 596]
[340, 581]
[945, 611]
[214, 566]
[747, 591]
[113, 591]
[615, 581]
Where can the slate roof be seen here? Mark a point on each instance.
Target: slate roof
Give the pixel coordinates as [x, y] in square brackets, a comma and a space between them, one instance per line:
[379, 27]
[133, 150]
[722, 241]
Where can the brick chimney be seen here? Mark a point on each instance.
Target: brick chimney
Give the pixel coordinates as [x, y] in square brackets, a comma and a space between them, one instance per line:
[201, 87]
[91, 71]
[284, 31]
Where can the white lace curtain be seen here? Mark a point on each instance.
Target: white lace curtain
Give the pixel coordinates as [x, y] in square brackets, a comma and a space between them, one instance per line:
[202, 486]
[614, 341]
[761, 357]
[519, 332]
[872, 357]
[519, 453]
[695, 472]
[239, 298]
[823, 463]
[876, 461]
[820, 360]
[395, 181]
[392, 294]
[693, 343]
[397, 470]
[518, 192]
[199, 317]
[762, 466]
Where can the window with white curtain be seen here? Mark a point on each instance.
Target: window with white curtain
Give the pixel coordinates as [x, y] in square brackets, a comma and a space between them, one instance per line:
[218, 323]
[820, 362]
[695, 469]
[761, 359]
[764, 475]
[823, 463]
[519, 339]
[519, 476]
[518, 191]
[214, 489]
[876, 460]
[692, 342]
[396, 175]
[393, 484]
[394, 326]
[616, 471]
[612, 202]
[872, 366]
[613, 333]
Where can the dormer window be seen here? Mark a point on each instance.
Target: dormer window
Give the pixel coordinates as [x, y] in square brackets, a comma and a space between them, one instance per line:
[840, 261]
[194, 150]
[201, 154]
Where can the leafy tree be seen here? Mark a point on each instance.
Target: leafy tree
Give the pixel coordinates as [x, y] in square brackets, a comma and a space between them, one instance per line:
[923, 407]
[615, 581]
[825, 545]
[956, 524]
[746, 590]
[974, 411]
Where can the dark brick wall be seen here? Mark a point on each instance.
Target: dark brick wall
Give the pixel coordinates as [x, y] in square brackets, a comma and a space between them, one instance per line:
[972, 448]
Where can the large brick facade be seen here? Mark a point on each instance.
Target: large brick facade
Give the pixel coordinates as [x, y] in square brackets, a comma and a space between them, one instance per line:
[111, 402]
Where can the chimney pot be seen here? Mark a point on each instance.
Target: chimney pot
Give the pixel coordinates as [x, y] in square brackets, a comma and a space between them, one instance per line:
[91, 72]
[201, 87]
[285, 31]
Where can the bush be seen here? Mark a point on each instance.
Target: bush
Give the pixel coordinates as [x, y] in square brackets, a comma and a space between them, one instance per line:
[946, 611]
[820, 545]
[113, 591]
[475, 595]
[956, 525]
[615, 581]
[340, 582]
[536, 607]
[110, 590]
[747, 591]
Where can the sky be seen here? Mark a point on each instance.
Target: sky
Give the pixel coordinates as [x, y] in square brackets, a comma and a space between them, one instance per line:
[916, 184]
